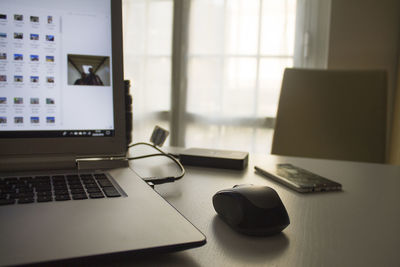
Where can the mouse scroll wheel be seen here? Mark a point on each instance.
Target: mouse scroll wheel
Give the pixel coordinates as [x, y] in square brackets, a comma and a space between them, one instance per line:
[242, 185]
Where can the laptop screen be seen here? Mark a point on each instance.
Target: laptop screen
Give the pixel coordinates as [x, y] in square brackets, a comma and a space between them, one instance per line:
[56, 69]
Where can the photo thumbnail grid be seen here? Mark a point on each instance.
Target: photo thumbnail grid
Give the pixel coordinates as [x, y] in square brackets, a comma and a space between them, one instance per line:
[30, 64]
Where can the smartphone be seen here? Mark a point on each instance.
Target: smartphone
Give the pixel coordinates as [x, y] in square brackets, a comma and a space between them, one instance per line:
[301, 180]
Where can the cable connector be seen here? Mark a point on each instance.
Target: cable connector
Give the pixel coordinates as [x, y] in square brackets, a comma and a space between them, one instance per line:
[155, 180]
[159, 136]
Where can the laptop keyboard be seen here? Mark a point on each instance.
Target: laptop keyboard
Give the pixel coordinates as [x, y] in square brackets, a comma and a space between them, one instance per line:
[31, 189]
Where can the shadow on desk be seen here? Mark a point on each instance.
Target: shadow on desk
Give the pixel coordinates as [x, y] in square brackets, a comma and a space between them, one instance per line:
[252, 248]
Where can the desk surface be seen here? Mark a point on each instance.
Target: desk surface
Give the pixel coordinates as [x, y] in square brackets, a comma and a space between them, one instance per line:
[359, 226]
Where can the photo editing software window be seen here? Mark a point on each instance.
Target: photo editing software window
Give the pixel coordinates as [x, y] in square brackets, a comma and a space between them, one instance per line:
[55, 68]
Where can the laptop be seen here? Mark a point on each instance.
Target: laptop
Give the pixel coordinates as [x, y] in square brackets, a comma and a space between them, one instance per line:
[65, 189]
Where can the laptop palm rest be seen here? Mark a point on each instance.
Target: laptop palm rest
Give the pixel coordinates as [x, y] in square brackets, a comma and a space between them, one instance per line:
[143, 220]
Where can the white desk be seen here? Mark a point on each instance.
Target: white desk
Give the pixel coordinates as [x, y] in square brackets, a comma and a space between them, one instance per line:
[357, 227]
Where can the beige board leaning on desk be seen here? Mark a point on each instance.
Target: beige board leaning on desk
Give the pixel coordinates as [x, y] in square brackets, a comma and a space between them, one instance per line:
[359, 226]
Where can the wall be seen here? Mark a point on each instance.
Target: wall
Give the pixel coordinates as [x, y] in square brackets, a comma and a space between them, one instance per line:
[364, 34]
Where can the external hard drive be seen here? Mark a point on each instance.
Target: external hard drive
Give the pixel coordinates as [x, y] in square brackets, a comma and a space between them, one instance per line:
[214, 158]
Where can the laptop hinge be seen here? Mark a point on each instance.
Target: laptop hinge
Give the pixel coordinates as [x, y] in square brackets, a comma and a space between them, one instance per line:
[58, 162]
[101, 163]
[37, 163]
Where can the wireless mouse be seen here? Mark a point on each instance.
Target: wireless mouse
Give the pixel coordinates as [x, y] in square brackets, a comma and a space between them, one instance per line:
[252, 210]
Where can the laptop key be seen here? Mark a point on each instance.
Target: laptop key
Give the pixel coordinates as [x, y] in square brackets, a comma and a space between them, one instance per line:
[44, 198]
[11, 180]
[100, 176]
[96, 195]
[42, 186]
[25, 195]
[7, 202]
[43, 189]
[61, 192]
[104, 182]
[60, 187]
[25, 200]
[77, 191]
[13, 196]
[58, 177]
[25, 190]
[91, 185]
[76, 186]
[9, 191]
[79, 196]
[73, 179]
[45, 177]
[94, 190]
[89, 182]
[44, 193]
[21, 183]
[111, 192]
[86, 176]
[26, 179]
[62, 197]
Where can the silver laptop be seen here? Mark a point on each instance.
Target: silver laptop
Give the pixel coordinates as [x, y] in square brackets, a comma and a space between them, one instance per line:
[62, 120]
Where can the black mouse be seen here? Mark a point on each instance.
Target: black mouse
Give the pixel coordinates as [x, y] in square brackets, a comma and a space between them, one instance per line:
[252, 210]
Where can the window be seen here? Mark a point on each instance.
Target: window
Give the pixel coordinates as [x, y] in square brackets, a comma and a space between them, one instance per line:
[234, 54]
[238, 50]
[147, 62]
